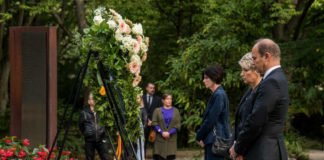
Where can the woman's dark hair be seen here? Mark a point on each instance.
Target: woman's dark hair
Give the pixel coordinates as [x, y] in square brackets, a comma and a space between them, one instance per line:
[165, 95]
[215, 73]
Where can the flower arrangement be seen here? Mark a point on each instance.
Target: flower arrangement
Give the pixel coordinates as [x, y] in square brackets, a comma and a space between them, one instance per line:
[122, 48]
[13, 148]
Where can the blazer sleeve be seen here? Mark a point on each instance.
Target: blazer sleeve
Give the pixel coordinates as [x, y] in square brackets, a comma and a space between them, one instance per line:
[177, 119]
[264, 103]
[155, 119]
[215, 109]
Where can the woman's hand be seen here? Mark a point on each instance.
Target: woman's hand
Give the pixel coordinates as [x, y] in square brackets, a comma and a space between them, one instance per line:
[149, 122]
[201, 143]
[166, 135]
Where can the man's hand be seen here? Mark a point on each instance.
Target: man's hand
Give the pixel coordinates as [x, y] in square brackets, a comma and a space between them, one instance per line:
[232, 152]
[201, 143]
[149, 122]
[239, 157]
[166, 135]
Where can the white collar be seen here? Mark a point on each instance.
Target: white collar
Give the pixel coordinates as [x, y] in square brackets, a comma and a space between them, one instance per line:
[270, 70]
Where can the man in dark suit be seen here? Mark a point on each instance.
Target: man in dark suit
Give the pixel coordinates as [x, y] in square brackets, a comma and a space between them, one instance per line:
[261, 137]
[151, 101]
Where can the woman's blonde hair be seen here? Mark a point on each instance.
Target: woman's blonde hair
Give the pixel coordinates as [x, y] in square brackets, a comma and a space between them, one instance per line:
[246, 62]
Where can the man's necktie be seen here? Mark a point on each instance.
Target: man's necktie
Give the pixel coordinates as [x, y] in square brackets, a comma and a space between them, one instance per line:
[150, 100]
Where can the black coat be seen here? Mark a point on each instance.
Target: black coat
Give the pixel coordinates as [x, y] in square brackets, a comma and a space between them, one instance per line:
[261, 137]
[89, 126]
[243, 110]
[156, 102]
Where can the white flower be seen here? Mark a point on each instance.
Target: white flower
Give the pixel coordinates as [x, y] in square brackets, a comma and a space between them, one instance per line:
[112, 24]
[144, 47]
[100, 10]
[86, 30]
[137, 59]
[137, 29]
[118, 36]
[131, 44]
[98, 19]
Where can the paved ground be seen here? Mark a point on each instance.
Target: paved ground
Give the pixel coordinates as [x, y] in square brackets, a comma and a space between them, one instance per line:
[316, 155]
[197, 155]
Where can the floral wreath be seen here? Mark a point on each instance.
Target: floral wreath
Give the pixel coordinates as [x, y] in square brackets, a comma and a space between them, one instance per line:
[123, 48]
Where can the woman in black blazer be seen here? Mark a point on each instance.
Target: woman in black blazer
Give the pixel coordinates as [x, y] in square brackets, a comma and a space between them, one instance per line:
[251, 77]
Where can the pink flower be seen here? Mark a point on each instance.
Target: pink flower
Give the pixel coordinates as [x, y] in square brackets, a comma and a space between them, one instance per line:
[139, 39]
[9, 153]
[21, 154]
[37, 158]
[123, 27]
[133, 67]
[137, 80]
[26, 142]
[136, 47]
[7, 141]
[42, 154]
[2, 151]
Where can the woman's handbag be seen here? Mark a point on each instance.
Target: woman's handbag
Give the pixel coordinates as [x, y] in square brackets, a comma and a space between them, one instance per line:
[221, 146]
[152, 136]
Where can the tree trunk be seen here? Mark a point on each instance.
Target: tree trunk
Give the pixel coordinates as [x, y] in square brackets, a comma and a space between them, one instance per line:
[82, 22]
[4, 68]
[4, 77]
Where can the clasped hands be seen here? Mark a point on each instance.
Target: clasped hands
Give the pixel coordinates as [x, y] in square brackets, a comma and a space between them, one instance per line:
[165, 135]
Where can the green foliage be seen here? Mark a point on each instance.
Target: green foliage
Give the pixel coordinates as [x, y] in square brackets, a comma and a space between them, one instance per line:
[294, 146]
[283, 11]
[306, 89]
[5, 17]
[43, 7]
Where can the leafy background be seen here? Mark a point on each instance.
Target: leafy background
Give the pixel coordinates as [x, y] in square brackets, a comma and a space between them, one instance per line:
[185, 37]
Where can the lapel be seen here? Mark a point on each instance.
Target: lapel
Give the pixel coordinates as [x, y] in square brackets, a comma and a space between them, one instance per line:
[163, 125]
[242, 100]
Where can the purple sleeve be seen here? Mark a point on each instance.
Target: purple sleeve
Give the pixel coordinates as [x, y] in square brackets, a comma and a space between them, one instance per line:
[172, 131]
[158, 129]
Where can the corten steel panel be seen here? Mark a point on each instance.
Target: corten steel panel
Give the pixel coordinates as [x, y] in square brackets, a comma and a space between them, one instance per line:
[34, 89]
[33, 83]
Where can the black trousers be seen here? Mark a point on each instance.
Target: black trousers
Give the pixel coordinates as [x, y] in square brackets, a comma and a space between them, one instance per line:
[101, 147]
[158, 157]
[147, 130]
